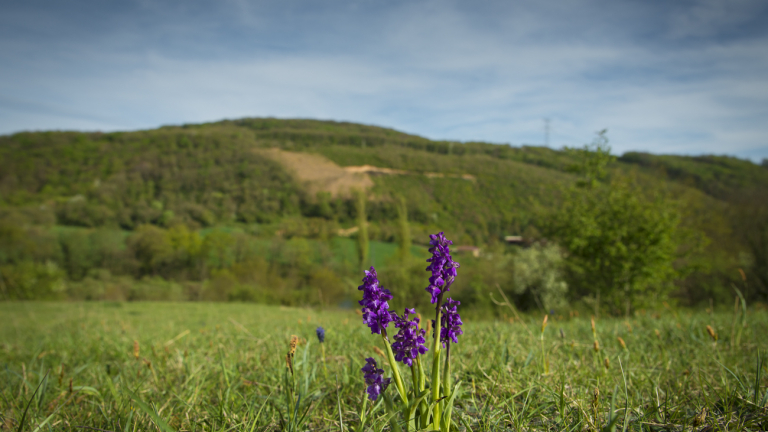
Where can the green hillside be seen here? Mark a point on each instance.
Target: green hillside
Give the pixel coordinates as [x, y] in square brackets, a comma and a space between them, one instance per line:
[216, 178]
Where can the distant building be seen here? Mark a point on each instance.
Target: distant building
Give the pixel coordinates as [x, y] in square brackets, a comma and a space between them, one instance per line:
[474, 250]
[515, 240]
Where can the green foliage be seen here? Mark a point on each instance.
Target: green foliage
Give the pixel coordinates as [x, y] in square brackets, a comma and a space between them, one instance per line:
[215, 176]
[362, 229]
[404, 229]
[621, 240]
[28, 280]
[538, 279]
[593, 160]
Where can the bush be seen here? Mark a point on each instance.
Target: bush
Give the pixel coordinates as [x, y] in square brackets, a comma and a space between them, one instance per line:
[538, 280]
[29, 280]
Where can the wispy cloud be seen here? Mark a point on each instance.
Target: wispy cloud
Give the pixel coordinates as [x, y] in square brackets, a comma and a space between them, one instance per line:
[689, 78]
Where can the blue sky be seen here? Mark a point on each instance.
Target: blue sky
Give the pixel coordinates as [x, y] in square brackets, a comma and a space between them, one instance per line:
[685, 77]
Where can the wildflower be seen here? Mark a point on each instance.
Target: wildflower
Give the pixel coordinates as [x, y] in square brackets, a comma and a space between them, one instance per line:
[409, 341]
[450, 322]
[375, 307]
[374, 378]
[441, 265]
[320, 334]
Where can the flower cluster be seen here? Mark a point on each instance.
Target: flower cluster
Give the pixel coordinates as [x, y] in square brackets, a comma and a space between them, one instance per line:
[409, 341]
[375, 307]
[320, 334]
[441, 265]
[374, 379]
[450, 322]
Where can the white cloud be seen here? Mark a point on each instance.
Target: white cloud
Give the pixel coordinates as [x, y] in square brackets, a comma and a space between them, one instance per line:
[429, 68]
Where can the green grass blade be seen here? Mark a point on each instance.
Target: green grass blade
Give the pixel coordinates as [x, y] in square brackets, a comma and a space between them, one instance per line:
[159, 422]
[24, 416]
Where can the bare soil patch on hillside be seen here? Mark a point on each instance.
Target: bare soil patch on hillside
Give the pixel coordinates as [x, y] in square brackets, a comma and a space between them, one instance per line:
[318, 174]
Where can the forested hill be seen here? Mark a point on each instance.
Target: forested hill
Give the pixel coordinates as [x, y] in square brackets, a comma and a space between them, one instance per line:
[210, 174]
[296, 178]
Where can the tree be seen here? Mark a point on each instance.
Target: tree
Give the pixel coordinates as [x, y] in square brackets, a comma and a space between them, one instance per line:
[620, 239]
[362, 229]
[404, 230]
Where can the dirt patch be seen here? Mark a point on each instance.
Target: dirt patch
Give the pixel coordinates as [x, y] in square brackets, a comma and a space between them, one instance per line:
[319, 174]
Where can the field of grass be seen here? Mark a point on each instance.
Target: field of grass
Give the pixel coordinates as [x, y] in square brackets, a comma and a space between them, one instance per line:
[220, 367]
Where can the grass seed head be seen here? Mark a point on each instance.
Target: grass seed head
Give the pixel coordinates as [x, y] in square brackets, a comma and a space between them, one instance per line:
[544, 323]
[593, 324]
[712, 333]
[621, 342]
[658, 335]
[136, 349]
[293, 344]
[701, 417]
[378, 351]
[607, 363]
[596, 346]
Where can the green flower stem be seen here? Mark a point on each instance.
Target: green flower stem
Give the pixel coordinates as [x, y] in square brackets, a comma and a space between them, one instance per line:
[436, 365]
[415, 377]
[422, 376]
[447, 384]
[424, 408]
[447, 370]
[325, 369]
[395, 371]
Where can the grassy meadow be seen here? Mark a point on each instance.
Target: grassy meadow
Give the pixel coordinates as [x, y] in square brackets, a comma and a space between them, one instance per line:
[220, 367]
